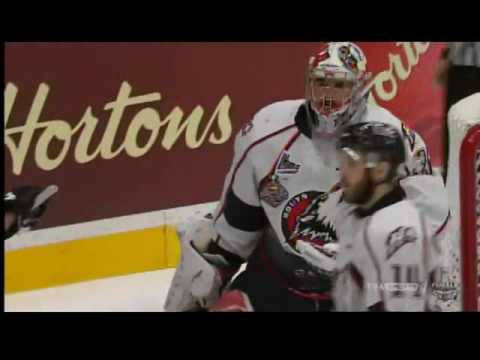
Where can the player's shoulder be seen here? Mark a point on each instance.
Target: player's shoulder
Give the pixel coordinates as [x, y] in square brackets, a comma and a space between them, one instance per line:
[272, 119]
[275, 117]
[380, 114]
[403, 211]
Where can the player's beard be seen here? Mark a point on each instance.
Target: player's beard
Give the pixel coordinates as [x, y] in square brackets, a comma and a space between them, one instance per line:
[361, 192]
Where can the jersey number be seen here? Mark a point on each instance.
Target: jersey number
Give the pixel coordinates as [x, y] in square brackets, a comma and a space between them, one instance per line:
[406, 280]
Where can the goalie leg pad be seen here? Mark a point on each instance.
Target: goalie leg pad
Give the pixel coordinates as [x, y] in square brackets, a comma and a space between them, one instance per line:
[196, 282]
[233, 301]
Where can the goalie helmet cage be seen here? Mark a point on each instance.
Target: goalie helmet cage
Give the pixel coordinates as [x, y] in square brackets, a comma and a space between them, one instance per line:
[470, 218]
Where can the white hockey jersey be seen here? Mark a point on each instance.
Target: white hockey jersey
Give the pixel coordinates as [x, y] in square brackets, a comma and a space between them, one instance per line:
[386, 258]
[278, 182]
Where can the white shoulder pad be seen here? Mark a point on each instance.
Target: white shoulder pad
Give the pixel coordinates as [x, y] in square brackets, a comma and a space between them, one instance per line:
[429, 195]
[196, 282]
[270, 119]
[376, 113]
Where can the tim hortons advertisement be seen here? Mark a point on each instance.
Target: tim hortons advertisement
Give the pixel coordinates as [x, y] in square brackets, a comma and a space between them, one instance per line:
[129, 128]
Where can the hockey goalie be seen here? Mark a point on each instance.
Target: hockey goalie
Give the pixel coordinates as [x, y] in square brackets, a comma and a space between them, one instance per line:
[275, 215]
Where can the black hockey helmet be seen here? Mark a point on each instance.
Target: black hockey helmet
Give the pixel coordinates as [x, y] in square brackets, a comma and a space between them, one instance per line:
[375, 140]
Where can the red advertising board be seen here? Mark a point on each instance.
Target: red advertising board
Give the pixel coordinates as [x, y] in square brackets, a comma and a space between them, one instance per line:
[126, 128]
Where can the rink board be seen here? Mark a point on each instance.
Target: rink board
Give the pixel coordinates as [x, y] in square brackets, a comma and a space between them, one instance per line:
[99, 249]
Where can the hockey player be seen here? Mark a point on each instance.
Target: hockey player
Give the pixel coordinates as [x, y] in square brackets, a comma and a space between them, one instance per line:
[386, 259]
[283, 171]
[24, 206]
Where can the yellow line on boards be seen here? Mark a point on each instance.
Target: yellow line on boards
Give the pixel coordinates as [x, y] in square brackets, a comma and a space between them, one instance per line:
[91, 258]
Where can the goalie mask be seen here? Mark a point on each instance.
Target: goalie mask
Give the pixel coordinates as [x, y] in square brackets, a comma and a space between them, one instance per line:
[336, 92]
[337, 85]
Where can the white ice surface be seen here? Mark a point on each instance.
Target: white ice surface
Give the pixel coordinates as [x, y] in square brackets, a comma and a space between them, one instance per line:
[143, 292]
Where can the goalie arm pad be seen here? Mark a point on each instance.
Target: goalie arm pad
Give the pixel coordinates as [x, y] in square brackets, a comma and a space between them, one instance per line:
[203, 271]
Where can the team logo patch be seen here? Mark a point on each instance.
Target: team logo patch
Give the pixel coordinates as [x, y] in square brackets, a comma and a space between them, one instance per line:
[272, 191]
[285, 166]
[444, 288]
[398, 238]
[301, 220]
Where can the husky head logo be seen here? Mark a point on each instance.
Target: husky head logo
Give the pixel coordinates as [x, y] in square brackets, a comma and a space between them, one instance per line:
[301, 220]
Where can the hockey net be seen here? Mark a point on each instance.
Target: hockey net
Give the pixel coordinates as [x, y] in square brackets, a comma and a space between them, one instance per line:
[470, 219]
[459, 289]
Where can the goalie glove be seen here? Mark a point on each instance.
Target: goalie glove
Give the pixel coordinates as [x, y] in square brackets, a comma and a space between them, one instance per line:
[28, 203]
[322, 258]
